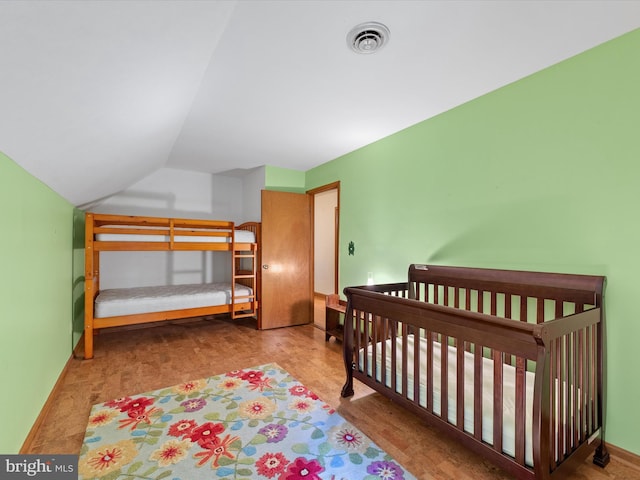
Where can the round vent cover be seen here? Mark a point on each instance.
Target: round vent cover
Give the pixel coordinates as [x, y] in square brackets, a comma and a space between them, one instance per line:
[368, 37]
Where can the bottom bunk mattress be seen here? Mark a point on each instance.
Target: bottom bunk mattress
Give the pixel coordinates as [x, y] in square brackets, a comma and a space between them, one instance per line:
[508, 382]
[129, 301]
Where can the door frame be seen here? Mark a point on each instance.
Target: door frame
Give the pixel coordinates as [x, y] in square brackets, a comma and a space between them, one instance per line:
[312, 193]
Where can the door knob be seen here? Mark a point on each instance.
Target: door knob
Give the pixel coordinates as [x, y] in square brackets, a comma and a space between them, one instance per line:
[266, 267]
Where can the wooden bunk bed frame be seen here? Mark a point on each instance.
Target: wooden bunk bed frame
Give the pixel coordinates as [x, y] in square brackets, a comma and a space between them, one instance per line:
[547, 325]
[168, 234]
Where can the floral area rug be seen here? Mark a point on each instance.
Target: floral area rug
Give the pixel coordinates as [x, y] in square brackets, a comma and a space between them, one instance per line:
[257, 423]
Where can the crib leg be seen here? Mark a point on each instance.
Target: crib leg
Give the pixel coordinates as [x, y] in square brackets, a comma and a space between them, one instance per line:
[347, 389]
[601, 457]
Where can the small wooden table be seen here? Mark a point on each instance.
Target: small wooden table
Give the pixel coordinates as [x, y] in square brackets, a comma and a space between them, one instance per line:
[334, 309]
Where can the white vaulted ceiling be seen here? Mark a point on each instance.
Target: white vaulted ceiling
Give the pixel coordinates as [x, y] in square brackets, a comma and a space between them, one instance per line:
[95, 95]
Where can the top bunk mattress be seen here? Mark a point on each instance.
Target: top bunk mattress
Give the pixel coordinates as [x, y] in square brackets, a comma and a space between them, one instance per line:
[241, 236]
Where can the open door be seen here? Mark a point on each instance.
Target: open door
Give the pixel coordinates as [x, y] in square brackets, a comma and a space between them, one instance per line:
[287, 297]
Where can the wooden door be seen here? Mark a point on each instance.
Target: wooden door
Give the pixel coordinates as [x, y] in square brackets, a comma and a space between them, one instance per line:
[287, 297]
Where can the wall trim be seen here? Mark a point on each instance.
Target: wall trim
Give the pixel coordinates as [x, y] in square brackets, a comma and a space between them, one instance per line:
[27, 445]
[625, 457]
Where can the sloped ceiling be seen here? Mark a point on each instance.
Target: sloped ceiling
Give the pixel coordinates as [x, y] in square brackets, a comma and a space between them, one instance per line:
[95, 95]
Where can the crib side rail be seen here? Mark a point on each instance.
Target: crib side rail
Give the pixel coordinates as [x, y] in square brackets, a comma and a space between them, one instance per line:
[556, 300]
[570, 416]
[399, 289]
[559, 287]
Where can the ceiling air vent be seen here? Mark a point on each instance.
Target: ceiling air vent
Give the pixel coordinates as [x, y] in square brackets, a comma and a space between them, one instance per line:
[368, 37]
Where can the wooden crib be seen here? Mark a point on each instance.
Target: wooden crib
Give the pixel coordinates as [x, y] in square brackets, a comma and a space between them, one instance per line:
[509, 363]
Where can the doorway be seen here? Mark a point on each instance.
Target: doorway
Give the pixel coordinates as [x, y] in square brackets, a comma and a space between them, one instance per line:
[326, 221]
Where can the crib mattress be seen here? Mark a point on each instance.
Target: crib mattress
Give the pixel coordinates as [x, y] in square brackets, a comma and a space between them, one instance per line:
[508, 434]
[241, 236]
[129, 301]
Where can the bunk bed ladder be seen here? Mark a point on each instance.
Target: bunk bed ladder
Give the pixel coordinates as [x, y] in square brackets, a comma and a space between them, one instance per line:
[245, 277]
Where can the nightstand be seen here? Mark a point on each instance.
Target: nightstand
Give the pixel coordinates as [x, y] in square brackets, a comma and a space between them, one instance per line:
[334, 316]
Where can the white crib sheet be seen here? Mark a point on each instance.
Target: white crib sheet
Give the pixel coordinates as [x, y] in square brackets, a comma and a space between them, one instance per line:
[129, 301]
[508, 433]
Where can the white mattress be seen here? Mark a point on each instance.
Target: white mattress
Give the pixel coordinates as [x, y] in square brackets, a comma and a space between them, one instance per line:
[508, 436]
[129, 301]
[241, 236]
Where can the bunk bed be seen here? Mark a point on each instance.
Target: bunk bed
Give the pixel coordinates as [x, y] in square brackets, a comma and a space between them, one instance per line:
[508, 363]
[129, 306]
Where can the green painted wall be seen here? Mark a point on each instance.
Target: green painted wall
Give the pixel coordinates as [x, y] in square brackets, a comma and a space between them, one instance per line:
[35, 298]
[284, 179]
[541, 175]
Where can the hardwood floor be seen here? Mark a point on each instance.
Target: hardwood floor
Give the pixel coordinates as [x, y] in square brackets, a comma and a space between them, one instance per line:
[137, 360]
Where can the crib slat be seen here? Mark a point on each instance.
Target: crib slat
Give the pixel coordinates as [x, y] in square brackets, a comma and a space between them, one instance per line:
[467, 300]
[561, 403]
[361, 337]
[417, 361]
[540, 310]
[579, 431]
[371, 328]
[405, 361]
[497, 400]
[394, 355]
[381, 340]
[507, 313]
[477, 392]
[571, 392]
[594, 368]
[553, 355]
[460, 388]
[520, 410]
[575, 414]
[567, 394]
[493, 306]
[591, 375]
[430, 339]
[444, 378]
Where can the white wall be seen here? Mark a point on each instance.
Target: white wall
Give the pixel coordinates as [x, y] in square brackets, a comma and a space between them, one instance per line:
[253, 183]
[177, 193]
[325, 204]
[169, 192]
